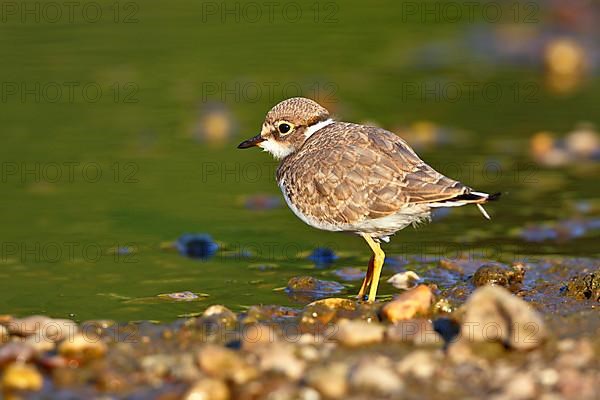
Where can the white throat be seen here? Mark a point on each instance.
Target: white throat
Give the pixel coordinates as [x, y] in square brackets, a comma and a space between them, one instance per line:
[279, 150]
[319, 125]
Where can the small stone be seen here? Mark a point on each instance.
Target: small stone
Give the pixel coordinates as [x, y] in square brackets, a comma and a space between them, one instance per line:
[4, 335]
[404, 280]
[584, 287]
[40, 342]
[223, 363]
[257, 335]
[579, 356]
[52, 329]
[492, 313]
[416, 331]
[521, 387]
[269, 313]
[220, 311]
[280, 358]
[28, 325]
[180, 296]
[375, 375]
[208, 389]
[490, 275]
[420, 364]
[329, 380]
[197, 246]
[584, 141]
[323, 256]
[310, 284]
[21, 376]
[215, 319]
[548, 377]
[358, 332]
[415, 301]
[16, 351]
[451, 265]
[84, 347]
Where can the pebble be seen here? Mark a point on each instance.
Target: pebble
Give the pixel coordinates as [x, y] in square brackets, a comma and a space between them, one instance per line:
[584, 141]
[180, 296]
[4, 335]
[375, 374]
[492, 313]
[216, 318]
[19, 376]
[208, 389]
[584, 286]
[415, 301]
[323, 256]
[224, 363]
[579, 356]
[84, 347]
[313, 287]
[28, 325]
[416, 331]
[18, 351]
[520, 386]
[358, 332]
[404, 280]
[280, 358]
[40, 342]
[330, 380]
[490, 275]
[257, 335]
[420, 364]
[196, 245]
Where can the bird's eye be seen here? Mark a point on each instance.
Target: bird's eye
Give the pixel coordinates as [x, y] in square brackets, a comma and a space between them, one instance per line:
[284, 128]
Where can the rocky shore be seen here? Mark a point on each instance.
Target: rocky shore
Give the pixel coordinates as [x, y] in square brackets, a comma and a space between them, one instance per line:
[494, 345]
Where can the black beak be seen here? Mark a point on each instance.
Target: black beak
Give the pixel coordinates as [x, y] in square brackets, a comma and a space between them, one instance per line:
[251, 142]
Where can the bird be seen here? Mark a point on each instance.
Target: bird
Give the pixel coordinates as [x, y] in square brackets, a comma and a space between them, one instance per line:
[341, 176]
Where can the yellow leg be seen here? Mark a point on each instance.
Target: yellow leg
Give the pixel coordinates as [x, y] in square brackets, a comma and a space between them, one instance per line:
[367, 280]
[379, 257]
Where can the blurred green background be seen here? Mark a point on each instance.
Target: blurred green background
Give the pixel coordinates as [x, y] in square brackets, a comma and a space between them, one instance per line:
[120, 122]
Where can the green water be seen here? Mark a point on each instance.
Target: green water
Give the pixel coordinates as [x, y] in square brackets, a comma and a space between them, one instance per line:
[84, 173]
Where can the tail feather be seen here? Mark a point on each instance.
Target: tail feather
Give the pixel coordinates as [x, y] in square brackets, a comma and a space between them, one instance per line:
[477, 198]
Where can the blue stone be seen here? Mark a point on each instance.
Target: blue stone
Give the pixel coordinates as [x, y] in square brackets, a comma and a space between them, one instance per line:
[196, 245]
[322, 256]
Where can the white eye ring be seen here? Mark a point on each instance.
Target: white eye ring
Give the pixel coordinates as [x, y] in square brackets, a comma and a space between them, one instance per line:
[285, 128]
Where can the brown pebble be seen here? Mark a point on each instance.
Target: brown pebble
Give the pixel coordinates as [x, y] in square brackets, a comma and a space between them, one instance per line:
[256, 335]
[208, 389]
[451, 266]
[492, 313]
[82, 346]
[375, 374]
[358, 332]
[223, 363]
[53, 329]
[4, 335]
[280, 358]
[420, 364]
[415, 331]
[408, 304]
[329, 380]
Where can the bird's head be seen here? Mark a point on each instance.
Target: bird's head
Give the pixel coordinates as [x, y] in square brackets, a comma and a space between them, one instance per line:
[288, 125]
